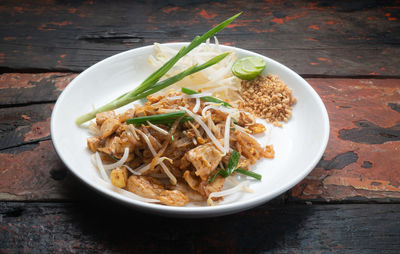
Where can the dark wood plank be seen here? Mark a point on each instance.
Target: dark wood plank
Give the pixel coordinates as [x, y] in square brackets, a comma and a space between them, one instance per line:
[24, 125]
[314, 38]
[34, 172]
[361, 162]
[102, 227]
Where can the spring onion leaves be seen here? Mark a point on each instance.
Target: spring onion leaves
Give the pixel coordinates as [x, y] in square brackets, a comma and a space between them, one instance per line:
[150, 85]
[232, 167]
[166, 118]
[205, 98]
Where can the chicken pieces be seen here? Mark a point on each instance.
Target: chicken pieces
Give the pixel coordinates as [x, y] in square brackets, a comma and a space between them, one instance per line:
[205, 158]
[149, 187]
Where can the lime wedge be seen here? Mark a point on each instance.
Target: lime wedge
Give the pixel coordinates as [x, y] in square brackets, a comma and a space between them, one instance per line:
[248, 67]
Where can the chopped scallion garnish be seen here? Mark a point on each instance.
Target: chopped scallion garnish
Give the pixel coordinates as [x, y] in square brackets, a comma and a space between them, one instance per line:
[231, 167]
[151, 85]
[205, 98]
[160, 118]
[233, 161]
[248, 173]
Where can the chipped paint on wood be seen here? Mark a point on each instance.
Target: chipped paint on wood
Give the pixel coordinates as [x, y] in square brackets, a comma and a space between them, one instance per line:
[347, 100]
[24, 124]
[313, 27]
[26, 173]
[19, 88]
[363, 184]
[350, 168]
[38, 130]
[207, 15]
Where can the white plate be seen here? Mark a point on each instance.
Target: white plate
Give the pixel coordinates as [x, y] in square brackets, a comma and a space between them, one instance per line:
[299, 145]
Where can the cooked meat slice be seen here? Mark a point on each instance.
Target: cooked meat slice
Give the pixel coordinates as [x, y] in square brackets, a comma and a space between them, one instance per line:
[206, 188]
[93, 143]
[145, 186]
[205, 159]
[246, 119]
[249, 147]
[191, 180]
[184, 163]
[101, 117]
[173, 198]
[184, 188]
[109, 126]
[218, 116]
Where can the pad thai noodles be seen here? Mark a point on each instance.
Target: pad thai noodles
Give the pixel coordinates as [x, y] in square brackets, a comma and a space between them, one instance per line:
[187, 142]
[176, 148]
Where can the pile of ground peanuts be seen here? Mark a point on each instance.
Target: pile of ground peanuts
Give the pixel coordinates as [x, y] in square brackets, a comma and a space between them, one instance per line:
[268, 98]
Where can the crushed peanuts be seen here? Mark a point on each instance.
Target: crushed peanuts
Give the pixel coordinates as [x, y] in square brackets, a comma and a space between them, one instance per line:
[268, 98]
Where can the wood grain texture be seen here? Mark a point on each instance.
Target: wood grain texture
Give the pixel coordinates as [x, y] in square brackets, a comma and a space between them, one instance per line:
[362, 157]
[24, 125]
[361, 162]
[314, 38]
[34, 172]
[19, 89]
[99, 227]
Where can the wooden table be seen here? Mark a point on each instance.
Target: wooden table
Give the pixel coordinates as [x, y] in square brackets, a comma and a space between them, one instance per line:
[348, 51]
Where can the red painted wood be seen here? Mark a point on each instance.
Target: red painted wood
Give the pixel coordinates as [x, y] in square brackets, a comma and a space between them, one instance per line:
[316, 39]
[26, 88]
[350, 169]
[375, 173]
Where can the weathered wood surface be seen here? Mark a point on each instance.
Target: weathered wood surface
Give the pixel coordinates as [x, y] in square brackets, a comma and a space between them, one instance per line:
[317, 39]
[102, 226]
[361, 162]
[348, 38]
[362, 159]
[32, 88]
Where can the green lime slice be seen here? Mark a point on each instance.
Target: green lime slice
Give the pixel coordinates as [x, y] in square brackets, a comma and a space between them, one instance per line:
[248, 67]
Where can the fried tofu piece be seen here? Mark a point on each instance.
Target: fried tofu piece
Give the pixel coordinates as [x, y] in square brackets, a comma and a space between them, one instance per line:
[145, 186]
[109, 126]
[119, 177]
[101, 117]
[93, 143]
[154, 98]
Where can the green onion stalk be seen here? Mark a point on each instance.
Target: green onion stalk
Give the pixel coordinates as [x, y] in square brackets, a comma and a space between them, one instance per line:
[231, 168]
[206, 98]
[151, 85]
[166, 118]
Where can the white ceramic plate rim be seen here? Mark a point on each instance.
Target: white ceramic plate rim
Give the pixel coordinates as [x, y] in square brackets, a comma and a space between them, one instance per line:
[205, 211]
